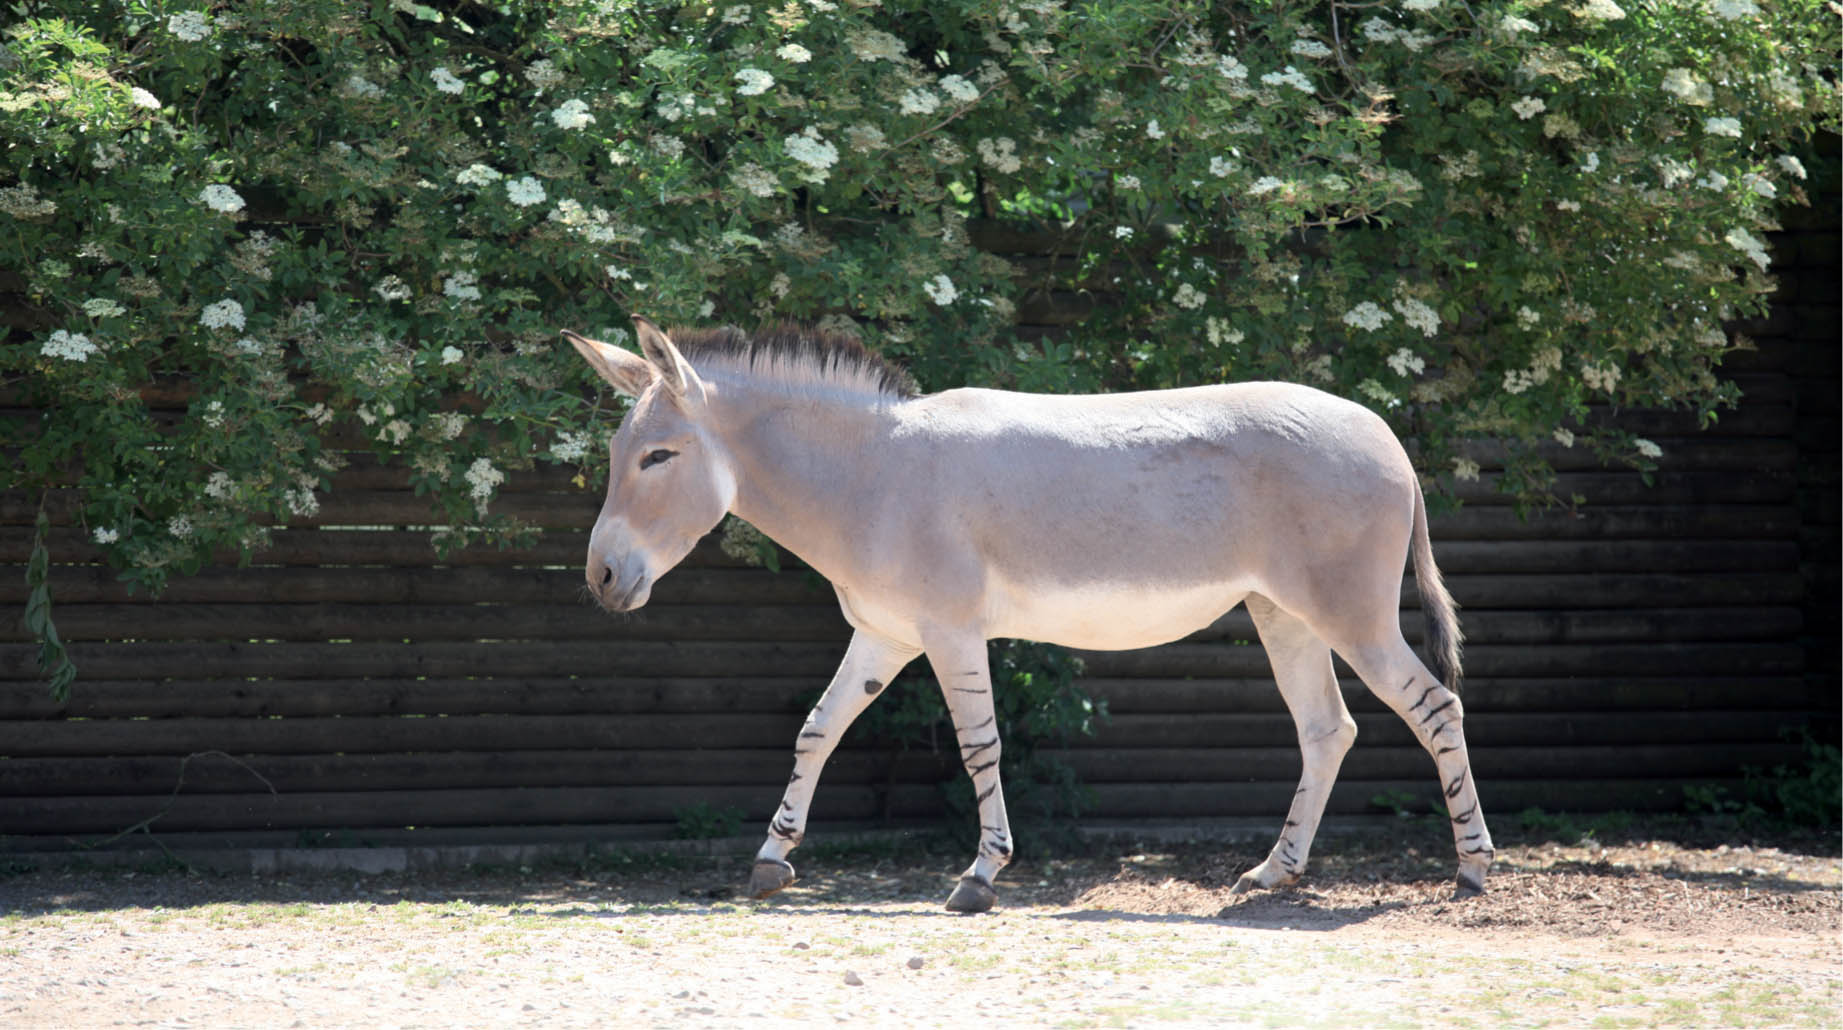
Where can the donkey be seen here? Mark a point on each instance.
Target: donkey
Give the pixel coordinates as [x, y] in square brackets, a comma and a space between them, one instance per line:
[1107, 521]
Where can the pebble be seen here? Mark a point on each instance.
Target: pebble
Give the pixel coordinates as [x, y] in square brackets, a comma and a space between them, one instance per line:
[915, 962]
[852, 979]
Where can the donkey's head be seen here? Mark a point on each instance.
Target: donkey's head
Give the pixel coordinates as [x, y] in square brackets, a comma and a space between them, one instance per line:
[669, 479]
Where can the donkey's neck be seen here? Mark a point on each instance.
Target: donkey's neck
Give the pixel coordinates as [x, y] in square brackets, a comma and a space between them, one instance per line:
[805, 466]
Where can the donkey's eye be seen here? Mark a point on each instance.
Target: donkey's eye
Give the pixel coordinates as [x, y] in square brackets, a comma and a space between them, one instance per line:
[658, 457]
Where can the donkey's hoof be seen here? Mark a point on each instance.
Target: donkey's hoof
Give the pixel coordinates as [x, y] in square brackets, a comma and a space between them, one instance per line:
[1248, 882]
[1468, 885]
[768, 876]
[972, 895]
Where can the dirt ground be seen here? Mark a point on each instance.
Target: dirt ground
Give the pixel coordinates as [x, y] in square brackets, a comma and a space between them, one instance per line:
[1644, 932]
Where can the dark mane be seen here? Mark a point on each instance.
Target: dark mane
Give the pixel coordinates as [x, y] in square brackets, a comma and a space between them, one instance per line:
[818, 356]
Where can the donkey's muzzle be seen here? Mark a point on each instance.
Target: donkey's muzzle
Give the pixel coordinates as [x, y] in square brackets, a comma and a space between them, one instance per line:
[619, 586]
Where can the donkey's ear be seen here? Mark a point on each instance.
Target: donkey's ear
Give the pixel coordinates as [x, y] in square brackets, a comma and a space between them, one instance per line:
[628, 373]
[675, 373]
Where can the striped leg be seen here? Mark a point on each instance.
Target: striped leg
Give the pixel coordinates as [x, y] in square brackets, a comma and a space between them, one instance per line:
[1393, 672]
[870, 663]
[1302, 669]
[966, 685]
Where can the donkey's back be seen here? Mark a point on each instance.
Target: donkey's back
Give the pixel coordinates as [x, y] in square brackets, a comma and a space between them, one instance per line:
[1125, 520]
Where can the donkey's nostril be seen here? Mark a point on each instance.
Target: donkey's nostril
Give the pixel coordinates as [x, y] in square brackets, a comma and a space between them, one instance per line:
[607, 575]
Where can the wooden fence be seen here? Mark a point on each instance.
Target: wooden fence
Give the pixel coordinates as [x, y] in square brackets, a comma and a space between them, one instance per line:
[1663, 637]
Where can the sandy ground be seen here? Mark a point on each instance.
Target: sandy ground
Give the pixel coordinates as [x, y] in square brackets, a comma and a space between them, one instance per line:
[1643, 933]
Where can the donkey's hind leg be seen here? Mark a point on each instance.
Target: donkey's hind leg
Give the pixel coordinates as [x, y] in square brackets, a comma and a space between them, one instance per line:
[1395, 674]
[1302, 669]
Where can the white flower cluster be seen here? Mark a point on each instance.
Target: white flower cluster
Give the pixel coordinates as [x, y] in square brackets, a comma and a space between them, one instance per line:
[1465, 468]
[1000, 154]
[477, 174]
[142, 98]
[1220, 167]
[69, 346]
[1405, 362]
[103, 307]
[753, 82]
[940, 289]
[1647, 449]
[959, 89]
[525, 192]
[756, 180]
[1420, 5]
[107, 536]
[482, 480]
[1746, 243]
[461, 286]
[1379, 31]
[1221, 333]
[451, 355]
[446, 82]
[570, 447]
[1729, 127]
[191, 26]
[810, 150]
[1377, 392]
[572, 114]
[1291, 76]
[1310, 48]
[1264, 185]
[357, 85]
[225, 314]
[543, 74]
[1685, 86]
[1367, 315]
[794, 53]
[1731, 10]
[1529, 107]
[179, 526]
[23, 201]
[919, 101]
[1597, 10]
[1418, 315]
[875, 45]
[1188, 297]
[1600, 377]
[392, 287]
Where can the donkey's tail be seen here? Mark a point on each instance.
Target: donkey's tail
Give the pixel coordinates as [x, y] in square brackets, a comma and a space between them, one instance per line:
[1437, 606]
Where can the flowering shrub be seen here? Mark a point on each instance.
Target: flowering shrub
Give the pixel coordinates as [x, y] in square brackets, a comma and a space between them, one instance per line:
[325, 225]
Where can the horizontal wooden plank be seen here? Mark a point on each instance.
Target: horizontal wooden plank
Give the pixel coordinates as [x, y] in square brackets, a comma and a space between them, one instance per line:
[810, 622]
[1737, 521]
[81, 584]
[1501, 800]
[1176, 661]
[1577, 694]
[214, 773]
[402, 622]
[563, 551]
[478, 807]
[221, 698]
[690, 731]
[165, 699]
[462, 585]
[96, 816]
[97, 660]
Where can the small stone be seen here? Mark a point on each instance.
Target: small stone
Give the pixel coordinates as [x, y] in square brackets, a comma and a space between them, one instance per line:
[852, 979]
[915, 962]
[801, 946]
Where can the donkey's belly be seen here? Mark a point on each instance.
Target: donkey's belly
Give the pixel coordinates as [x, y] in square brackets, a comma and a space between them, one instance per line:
[1108, 617]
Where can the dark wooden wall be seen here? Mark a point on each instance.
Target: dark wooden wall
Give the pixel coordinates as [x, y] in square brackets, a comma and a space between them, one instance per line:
[1662, 637]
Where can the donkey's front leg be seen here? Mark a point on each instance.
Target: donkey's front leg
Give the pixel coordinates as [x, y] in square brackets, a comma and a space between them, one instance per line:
[870, 663]
[966, 684]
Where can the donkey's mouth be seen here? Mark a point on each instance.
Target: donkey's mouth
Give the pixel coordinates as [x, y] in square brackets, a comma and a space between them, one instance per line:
[615, 599]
